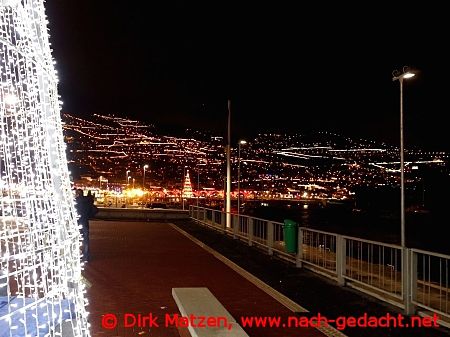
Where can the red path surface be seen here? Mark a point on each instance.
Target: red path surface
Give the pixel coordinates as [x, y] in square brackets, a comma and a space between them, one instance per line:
[135, 265]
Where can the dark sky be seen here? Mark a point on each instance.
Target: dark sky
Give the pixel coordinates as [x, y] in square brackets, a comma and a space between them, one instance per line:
[286, 66]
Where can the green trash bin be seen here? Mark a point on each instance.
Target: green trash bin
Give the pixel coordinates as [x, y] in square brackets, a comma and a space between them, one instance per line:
[290, 229]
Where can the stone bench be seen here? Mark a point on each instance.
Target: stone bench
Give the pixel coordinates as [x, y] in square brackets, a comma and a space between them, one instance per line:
[200, 305]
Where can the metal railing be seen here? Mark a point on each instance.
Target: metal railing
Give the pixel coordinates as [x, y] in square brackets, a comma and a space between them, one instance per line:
[431, 281]
[375, 268]
[372, 267]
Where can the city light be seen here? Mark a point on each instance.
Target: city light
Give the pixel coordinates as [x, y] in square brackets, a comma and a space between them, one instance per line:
[293, 164]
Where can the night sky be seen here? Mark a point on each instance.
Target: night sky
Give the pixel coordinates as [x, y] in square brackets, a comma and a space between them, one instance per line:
[286, 66]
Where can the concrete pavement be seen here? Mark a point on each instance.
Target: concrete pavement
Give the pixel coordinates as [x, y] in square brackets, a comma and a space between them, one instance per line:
[135, 265]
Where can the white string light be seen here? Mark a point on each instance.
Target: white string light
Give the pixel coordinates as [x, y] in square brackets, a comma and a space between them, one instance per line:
[40, 271]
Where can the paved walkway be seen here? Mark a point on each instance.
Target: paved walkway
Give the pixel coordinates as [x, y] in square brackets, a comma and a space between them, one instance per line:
[317, 293]
[135, 265]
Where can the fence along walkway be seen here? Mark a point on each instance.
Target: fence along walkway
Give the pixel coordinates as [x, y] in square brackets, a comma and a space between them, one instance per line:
[372, 267]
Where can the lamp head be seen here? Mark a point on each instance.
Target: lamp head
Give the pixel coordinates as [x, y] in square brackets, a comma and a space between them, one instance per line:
[404, 74]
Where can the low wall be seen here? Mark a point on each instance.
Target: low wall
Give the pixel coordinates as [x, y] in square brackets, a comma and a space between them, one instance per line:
[141, 214]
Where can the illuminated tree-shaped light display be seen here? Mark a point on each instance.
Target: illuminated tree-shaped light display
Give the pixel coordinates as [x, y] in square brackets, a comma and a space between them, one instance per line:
[187, 187]
[41, 289]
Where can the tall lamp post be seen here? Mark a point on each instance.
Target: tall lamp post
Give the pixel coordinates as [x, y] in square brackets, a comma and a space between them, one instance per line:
[128, 185]
[143, 178]
[406, 256]
[198, 185]
[128, 171]
[241, 142]
[182, 185]
[400, 76]
[228, 180]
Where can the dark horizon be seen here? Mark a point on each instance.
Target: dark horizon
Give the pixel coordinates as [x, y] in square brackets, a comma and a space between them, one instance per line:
[285, 69]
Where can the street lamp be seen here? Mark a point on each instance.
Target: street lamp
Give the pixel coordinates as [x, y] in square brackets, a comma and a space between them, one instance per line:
[228, 180]
[143, 178]
[198, 184]
[400, 76]
[128, 171]
[133, 183]
[241, 142]
[198, 187]
[182, 186]
[128, 181]
[407, 262]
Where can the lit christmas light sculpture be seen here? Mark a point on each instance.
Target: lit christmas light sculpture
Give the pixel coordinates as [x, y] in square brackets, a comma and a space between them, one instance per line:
[187, 187]
[41, 289]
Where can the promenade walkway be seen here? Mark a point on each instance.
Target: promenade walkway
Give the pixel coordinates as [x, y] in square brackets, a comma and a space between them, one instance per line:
[314, 292]
[135, 265]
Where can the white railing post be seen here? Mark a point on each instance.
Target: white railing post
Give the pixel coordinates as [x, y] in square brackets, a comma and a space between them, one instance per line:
[250, 231]
[205, 215]
[236, 222]
[270, 229]
[413, 276]
[407, 280]
[299, 256]
[223, 221]
[340, 259]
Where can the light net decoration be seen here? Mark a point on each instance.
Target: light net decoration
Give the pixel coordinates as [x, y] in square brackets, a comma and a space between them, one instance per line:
[41, 289]
[187, 187]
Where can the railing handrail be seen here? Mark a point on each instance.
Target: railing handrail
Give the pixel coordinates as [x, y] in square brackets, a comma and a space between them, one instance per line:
[390, 245]
[426, 252]
[318, 231]
[399, 287]
[241, 215]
